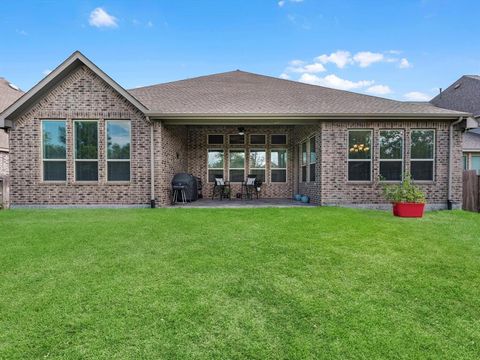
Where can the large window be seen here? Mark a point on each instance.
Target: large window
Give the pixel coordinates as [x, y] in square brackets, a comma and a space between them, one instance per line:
[313, 158]
[475, 163]
[359, 155]
[422, 155]
[257, 162]
[391, 155]
[237, 166]
[215, 164]
[278, 165]
[303, 160]
[118, 150]
[86, 150]
[54, 150]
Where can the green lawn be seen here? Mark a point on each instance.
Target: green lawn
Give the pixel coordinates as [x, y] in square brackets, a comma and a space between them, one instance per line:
[240, 283]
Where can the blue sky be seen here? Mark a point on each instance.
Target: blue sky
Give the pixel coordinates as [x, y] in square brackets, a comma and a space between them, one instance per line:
[399, 49]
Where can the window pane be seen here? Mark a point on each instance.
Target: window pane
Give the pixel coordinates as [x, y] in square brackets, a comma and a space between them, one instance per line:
[391, 144]
[257, 139]
[54, 170]
[86, 140]
[86, 170]
[278, 159]
[279, 175]
[359, 144]
[213, 173]
[257, 159]
[304, 173]
[313, 155]
[465, 162]
[359, 170]
[422, 170]
[476, 163]
[304, 153]
[54, 140]
[278, 139]
[215, 159]
[391, 170]
[260, 174]
[237, 139]
[215, 139]
[422, 144]
[237, 159]
[312, 172]
[119, 171]
[118, 139]
[237, 175]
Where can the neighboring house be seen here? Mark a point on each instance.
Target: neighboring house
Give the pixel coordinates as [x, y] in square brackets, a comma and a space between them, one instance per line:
[8, 94]
[464, 95]
[79, 138]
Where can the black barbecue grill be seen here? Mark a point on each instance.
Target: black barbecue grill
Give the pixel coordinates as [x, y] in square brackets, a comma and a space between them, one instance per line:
[189, 184]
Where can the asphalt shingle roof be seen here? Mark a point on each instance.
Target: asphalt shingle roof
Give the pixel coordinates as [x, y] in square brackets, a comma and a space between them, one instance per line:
[462, 95]
[8, 94]
[471, 141]
[239, 92]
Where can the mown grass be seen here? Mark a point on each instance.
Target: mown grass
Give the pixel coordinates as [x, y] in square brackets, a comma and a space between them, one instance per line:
[295, 283]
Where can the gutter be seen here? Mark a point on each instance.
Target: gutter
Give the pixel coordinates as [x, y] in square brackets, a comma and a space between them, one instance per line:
[152, 164]
[450, 160]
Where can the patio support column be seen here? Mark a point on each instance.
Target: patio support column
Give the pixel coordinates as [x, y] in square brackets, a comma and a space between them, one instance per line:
[152, 164]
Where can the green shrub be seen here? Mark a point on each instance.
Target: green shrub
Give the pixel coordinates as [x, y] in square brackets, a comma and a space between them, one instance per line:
[404, 192]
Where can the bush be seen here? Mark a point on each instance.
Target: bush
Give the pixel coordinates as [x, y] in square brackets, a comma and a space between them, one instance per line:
[404, 192]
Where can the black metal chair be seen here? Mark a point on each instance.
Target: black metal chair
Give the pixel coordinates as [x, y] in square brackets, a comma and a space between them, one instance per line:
[221, 188]
[250, 185]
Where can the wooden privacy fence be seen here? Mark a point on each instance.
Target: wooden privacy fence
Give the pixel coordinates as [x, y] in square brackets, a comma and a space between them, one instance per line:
[471, 191]
[4, 187]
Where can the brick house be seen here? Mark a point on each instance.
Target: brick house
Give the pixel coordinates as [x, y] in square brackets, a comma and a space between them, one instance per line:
[9, 93]
[79, 138]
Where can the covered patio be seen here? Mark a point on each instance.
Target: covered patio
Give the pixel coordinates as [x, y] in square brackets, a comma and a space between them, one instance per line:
[237, 203]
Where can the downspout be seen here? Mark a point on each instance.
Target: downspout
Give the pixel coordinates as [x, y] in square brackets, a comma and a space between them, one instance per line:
[152, 164]
[450, 160]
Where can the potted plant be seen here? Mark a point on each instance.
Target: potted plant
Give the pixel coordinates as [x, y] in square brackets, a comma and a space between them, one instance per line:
[407, 199]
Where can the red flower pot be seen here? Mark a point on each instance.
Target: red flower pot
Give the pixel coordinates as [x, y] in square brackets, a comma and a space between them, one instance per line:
[414, 210]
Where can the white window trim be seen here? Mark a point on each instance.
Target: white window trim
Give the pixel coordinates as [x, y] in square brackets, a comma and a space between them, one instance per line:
[279, 168]
[244, 164]
[307, 177]
[264, 168]
[223, 137]
[252, 144]
[85, 160]
[402, 159]
[356, 160]
[272, 144]
[107, 160]
[309, 155]
[434, 162]
[42, 152]
[219, 169]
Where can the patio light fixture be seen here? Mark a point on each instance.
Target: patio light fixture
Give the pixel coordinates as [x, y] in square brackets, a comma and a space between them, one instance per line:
[241, 131]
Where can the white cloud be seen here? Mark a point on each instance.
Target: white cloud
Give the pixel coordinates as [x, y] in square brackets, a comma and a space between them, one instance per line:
[417, 96]
[296, 63]
[149, 24]
[334, 81]
[100, 18]
[340, 58]
[22, 32]
[281, 3]
[308, 68]
[284, 76]
[404, 64]
[367, 58]
[379, 90]
[46, 72]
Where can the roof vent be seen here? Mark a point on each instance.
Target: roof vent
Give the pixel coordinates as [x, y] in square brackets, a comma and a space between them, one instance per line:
[457, 85]
[14, 87]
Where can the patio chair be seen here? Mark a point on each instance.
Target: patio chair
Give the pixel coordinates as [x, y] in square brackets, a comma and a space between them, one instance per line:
[221, 188]
[251, 186]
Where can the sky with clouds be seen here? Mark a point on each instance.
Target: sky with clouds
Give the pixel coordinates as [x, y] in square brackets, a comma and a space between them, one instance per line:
[403, 50]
